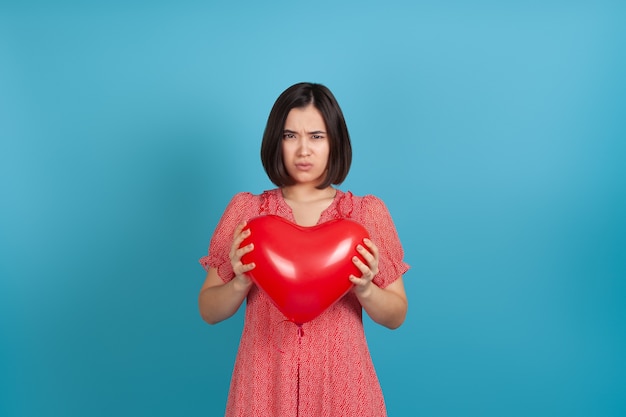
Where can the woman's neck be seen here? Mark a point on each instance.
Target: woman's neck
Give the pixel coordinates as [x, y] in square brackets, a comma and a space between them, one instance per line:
[308, 203]
[307, 194]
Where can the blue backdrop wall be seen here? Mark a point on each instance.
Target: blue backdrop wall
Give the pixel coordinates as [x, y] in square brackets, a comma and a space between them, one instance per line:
[493, 131]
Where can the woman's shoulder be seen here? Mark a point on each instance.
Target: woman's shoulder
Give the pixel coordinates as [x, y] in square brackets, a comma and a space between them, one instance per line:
[243, 201]
[246, 201]
[366, 200]
[355, 205]
[245, 196]
[242, 198]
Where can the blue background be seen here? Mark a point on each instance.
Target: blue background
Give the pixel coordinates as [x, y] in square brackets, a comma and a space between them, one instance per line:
[493, 131]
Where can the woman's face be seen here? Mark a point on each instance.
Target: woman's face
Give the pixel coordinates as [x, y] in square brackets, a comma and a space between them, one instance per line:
[305, 145]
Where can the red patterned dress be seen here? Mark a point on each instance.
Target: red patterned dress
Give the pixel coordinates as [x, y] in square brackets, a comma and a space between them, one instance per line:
[326, 370]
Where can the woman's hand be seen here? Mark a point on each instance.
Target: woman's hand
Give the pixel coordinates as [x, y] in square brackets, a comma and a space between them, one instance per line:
[239, 268]
[363, 285]
[386, 306]
[219, 300]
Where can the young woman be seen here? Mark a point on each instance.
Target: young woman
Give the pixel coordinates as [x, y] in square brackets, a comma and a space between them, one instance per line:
[323, 368]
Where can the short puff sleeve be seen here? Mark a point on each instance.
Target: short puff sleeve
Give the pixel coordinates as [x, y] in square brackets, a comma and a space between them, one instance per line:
[376, 219]
[242, 206]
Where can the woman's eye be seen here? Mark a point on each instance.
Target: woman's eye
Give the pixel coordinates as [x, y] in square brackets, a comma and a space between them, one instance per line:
[288, 136]
[318, 137]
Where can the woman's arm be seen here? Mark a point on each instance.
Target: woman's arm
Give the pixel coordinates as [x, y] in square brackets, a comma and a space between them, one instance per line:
[219, 300]
[386, 306]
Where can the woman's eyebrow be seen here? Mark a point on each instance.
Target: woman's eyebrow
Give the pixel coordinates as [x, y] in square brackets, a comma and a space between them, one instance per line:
[314, 132]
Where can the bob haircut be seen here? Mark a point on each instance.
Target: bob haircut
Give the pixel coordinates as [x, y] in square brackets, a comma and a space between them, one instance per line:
[299, 96]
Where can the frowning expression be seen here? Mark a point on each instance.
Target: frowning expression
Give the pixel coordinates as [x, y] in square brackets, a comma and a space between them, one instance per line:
[305, 145]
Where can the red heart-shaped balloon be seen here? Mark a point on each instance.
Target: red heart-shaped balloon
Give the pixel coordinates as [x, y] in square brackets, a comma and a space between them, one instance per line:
[304, 270]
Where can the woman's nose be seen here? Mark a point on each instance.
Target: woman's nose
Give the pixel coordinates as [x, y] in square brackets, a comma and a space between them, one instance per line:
[303, 148]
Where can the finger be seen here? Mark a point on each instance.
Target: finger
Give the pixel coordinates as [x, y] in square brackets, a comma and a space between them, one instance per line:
[361, 286]
[236, 254]
[239, 253]
[372, 247]
[365, 270]
[355, 280]
[239, 228]
[239, 236]
[243, 268]
[366, 254]
[370, 258]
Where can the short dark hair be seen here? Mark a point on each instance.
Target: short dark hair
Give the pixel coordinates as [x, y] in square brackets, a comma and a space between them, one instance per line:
[298, 96]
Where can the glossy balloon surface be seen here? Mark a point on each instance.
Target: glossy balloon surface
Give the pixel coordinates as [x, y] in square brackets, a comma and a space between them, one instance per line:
[304, 270]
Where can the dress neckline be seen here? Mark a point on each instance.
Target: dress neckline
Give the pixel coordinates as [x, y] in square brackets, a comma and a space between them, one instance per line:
[282, 203]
